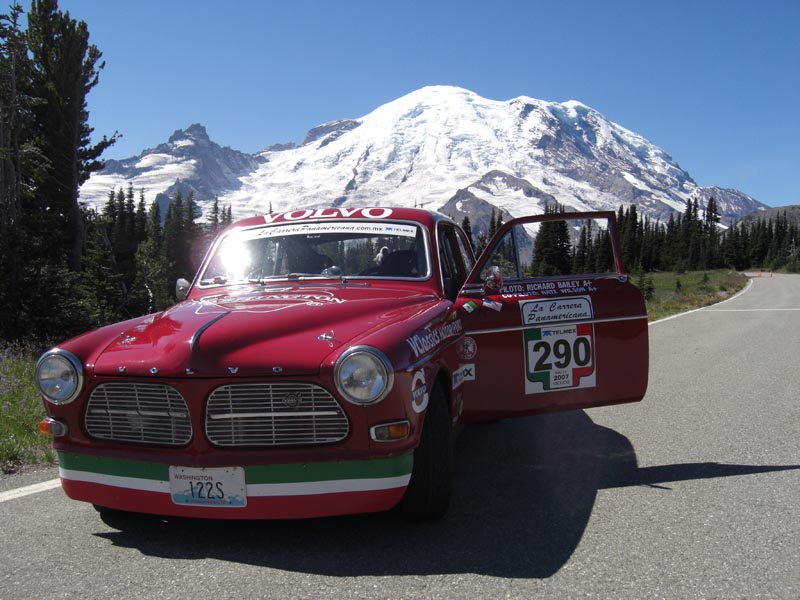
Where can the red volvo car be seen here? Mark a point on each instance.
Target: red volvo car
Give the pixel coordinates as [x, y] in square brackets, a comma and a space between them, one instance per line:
[321, 361]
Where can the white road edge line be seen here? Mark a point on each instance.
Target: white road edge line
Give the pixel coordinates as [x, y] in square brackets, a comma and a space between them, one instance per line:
[29, 489]
[712, 309]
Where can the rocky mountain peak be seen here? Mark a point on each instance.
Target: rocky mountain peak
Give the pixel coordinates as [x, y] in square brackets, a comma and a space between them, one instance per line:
[442, 147]
[194, 133]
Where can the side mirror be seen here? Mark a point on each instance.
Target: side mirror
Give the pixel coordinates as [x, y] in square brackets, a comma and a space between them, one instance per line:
[182, 289]
[492, 280]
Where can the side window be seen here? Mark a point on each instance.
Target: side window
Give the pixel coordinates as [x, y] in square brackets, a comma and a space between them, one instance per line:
[465, 249]
[571, 246]
[566, 246]
[505, 256]
[452, 260]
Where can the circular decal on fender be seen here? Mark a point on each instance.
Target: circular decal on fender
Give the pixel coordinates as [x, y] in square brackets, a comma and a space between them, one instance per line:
[419, 392]
[467, 348]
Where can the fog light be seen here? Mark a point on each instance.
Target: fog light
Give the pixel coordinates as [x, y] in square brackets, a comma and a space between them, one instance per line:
[390, 432]
[54, 427]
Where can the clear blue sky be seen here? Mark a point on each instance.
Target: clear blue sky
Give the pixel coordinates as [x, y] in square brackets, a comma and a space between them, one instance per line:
[715, 83]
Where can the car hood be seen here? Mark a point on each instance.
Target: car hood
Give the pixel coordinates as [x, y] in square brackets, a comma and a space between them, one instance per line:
[258, 332]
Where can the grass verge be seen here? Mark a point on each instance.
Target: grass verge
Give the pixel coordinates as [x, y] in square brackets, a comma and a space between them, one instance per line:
[21, 407]
[673, 293]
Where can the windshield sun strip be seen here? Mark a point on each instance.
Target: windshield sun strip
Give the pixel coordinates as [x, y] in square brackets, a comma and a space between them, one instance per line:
[206, 282]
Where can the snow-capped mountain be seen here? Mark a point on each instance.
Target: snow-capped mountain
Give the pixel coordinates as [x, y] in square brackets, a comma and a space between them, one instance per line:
[188, 161]
[440, 147]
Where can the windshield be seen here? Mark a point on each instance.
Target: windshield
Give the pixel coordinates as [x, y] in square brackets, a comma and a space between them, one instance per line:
[330, 249]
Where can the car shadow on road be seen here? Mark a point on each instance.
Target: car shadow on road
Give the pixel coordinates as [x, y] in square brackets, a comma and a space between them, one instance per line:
[524, 492]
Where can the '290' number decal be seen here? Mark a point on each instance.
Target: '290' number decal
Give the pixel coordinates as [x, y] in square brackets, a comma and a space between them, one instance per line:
[559, 358]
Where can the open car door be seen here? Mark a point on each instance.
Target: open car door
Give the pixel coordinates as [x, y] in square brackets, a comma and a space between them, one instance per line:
[551, 321]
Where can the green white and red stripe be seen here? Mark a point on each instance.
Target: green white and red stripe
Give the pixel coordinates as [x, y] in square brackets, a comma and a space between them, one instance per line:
[273, 491]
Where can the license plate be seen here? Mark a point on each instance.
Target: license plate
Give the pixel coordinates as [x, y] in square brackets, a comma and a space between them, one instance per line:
[208, 487]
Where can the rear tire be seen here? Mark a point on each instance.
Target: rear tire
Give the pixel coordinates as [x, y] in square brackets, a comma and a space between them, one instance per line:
[428, 493]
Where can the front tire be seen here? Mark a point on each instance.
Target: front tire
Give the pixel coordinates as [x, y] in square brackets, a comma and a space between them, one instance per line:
[428, 493]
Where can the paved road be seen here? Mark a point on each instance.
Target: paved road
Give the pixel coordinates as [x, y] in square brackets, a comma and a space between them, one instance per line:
[694, 493]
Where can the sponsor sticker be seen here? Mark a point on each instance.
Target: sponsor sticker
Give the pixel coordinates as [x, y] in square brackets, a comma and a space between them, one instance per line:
[271, 300]
[559, 357]
[493, 304]
[376, 228]
[548, 288]
[419, 392]
[467, 348]
[429, 339]
[329, 213]
[556, 310]
[462, 374]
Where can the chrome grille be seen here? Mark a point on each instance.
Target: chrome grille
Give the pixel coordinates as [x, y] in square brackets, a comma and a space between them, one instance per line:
[274, 414]
[147, 413]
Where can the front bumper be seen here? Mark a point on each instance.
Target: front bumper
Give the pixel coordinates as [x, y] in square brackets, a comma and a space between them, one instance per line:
[285, 491]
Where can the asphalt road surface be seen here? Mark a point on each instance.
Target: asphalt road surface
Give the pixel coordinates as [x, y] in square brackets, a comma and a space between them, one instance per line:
[694, 493]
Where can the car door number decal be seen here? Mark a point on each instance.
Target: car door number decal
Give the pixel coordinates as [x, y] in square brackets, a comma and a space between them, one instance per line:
[559, 358]
[562, 353]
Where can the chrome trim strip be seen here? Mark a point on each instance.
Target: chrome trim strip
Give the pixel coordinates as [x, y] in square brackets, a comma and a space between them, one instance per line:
[309, 413]
[140, 413]
[416, 365]
[555, 324]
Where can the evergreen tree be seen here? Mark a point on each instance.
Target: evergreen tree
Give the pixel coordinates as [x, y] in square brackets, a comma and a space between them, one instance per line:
[552, 249]
[214, 218]
[710, 250]
[65, 67]
[140, 220]
[671, 251]
[482, 241]
[492, 225]
[690, 243]
[466, 225]
[629, 232]
[174, 246]
[603, 254]
[45, 154]
[152, 286]
[581, 254]
[16, 167]
[194, 247]
[14, 120]
[103, 290]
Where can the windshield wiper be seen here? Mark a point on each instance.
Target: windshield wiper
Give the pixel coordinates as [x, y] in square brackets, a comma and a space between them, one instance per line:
[218, 280]
[290, 277]
[311, 278]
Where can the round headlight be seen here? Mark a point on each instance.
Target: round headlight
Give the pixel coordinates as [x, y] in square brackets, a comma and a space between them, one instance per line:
[59, 376]
[363, 375]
